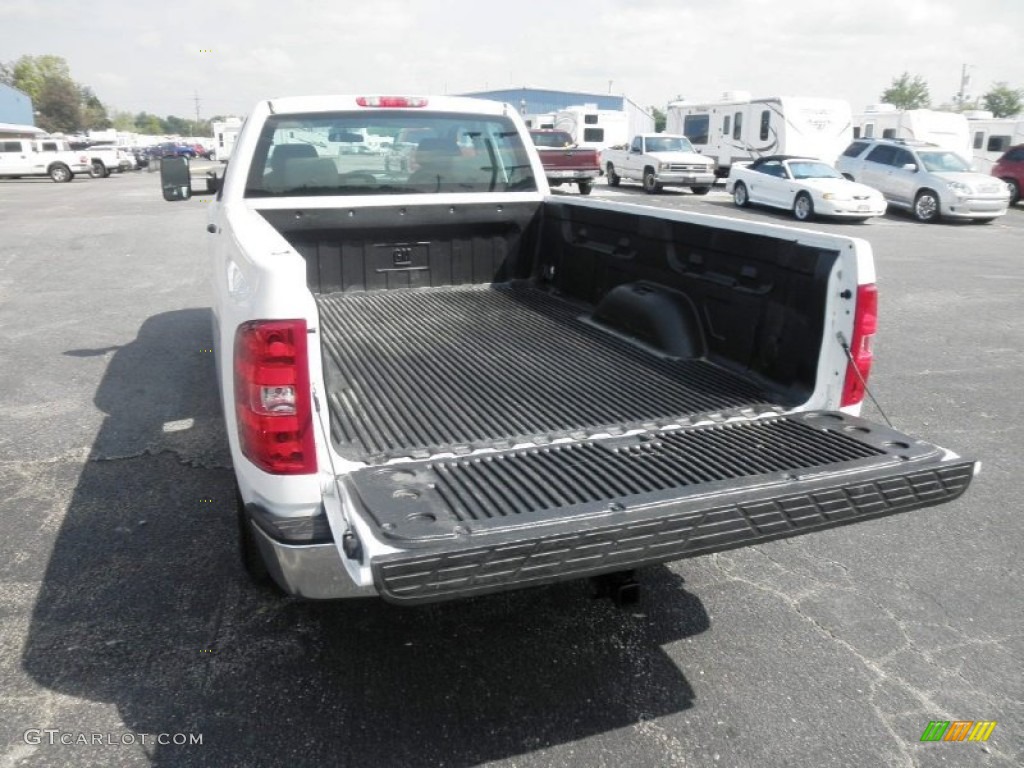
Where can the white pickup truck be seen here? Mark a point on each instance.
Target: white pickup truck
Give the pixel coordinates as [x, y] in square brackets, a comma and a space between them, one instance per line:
[658, 160]
[450, 382]
[104, 159]
[27, 157]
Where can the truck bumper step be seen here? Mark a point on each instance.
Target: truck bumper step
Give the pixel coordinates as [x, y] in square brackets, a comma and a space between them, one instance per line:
[504, 520]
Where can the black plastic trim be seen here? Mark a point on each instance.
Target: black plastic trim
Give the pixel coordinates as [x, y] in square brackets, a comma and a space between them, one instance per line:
[292, 530]
[663, 534]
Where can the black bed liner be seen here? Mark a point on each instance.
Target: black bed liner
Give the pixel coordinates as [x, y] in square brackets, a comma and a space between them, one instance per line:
[418, 372]
[490, 522]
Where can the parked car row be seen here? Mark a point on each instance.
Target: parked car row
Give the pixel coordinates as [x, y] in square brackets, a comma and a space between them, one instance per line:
[62, 160]
[928, 181]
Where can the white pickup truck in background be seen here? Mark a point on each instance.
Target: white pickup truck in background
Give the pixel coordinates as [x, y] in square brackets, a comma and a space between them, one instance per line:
[657, 160]
[445, 381]
[104, 159]
[27, 157]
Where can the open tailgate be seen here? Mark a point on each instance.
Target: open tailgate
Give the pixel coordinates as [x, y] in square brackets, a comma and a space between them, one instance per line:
[469, 525]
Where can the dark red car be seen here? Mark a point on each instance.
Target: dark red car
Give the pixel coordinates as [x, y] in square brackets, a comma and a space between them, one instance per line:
[1010, 168]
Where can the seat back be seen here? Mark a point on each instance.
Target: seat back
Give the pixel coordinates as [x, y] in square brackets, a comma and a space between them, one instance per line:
[433, 158]
[310, 172]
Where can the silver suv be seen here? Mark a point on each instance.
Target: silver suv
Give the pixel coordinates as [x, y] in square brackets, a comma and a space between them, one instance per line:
[926, 179]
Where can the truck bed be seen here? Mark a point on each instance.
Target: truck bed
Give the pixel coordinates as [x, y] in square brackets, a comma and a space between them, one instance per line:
[634, 457]
[450, 370]
[556, 392]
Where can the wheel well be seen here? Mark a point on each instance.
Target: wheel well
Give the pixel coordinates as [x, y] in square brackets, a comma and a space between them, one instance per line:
[56, 164]
[922, 190]
[648, 168]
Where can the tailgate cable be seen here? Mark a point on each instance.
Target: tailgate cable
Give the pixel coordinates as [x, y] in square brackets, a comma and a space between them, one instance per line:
[349, 541]
[849, 356]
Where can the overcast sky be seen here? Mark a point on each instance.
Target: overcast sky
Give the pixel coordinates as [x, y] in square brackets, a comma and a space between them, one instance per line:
[151, 56]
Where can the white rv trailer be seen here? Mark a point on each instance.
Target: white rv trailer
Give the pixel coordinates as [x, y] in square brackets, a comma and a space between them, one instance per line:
[224, 134]
[740, 128]
[541, 120]
[594, 128]
[992, 136]
[884, 121]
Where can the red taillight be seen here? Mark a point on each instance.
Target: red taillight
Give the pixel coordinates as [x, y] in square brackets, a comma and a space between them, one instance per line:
[391, 101]
[272, 400]
[865, 324]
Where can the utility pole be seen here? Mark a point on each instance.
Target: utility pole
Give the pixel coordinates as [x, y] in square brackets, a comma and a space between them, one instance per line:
[195, 131]
[965, 83]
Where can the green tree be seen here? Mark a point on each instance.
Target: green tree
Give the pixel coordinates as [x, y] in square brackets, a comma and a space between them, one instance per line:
[176, 125]
[1003, 101]
[94, 114]
[62, 104]
[147, 123]
[907, 93]
[31, 73]
[59, 107]
[123, 121]
[659, 119]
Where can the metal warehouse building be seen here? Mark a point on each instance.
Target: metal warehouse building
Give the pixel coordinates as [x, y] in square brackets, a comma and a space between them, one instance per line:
[535, 101]
[16, 116]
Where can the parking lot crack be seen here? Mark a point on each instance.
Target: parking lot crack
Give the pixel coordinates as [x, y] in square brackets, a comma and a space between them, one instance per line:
[185, 460]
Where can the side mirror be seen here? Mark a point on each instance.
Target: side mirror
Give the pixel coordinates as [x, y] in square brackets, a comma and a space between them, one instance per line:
[910, 167]
[175, 179]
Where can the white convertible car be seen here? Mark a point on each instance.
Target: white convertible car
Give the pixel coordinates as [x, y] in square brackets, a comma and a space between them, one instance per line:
[803, 185]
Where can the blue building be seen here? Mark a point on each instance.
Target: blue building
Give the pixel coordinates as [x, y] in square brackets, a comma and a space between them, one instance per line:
[15, 106]
[16, 115]
[540, 101]
[536, 101]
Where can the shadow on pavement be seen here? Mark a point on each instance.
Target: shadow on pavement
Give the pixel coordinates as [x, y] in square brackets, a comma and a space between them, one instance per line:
[144, 606]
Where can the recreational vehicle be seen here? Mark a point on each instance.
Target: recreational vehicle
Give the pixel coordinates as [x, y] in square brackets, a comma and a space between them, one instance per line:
[224, 134]
[739, 128]
[544, 121]
[992, 136]
[592, 127]
[885, 121]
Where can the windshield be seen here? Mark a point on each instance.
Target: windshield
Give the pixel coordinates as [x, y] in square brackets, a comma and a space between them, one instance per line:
[811, 170]
[668, 144]
[943, 161]
[388, 152]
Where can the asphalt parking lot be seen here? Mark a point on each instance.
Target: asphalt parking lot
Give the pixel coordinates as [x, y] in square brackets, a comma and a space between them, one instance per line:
[125, 614]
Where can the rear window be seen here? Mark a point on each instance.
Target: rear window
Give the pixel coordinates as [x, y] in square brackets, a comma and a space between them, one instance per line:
[551, 138]
[855, 149]
[353, 153]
